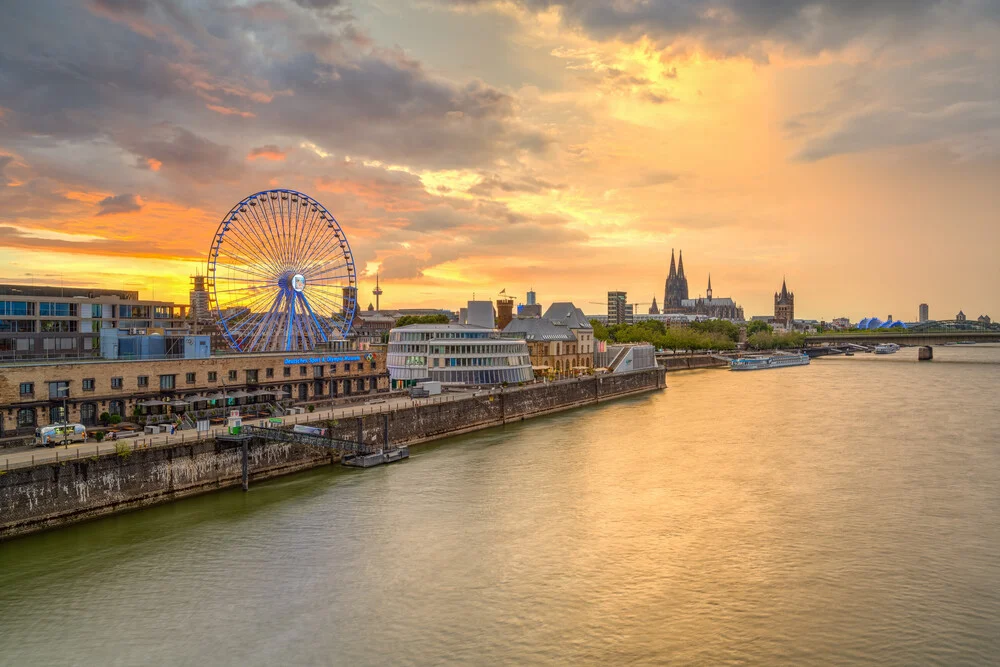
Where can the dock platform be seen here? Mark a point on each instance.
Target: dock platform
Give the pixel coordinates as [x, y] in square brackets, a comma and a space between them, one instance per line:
[376, 459]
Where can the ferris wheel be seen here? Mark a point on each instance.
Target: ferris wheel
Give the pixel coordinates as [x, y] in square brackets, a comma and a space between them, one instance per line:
[281, 274]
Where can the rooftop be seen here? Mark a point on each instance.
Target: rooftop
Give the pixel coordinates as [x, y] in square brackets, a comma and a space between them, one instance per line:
[538, 329]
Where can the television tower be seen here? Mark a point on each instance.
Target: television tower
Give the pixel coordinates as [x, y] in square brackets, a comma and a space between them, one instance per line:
[377, 292]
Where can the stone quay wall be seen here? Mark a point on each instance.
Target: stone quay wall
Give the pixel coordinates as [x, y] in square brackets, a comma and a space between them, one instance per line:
[54, 494]
[691, 362]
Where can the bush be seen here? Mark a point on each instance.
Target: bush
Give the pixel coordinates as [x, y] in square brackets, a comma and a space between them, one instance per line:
[311, 407]
[123, 450]
[115, 419]
[99, 436]
[105, 418]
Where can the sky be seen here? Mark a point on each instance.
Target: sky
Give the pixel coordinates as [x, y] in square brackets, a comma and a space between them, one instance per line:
[851, 147]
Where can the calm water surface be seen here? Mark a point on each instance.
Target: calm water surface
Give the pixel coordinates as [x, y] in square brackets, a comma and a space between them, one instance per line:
[847, 512]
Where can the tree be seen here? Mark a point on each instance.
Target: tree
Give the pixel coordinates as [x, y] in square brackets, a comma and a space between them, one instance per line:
[105, 418]
[756, 326]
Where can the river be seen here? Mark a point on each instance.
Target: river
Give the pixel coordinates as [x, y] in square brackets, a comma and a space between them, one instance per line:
[845, 512]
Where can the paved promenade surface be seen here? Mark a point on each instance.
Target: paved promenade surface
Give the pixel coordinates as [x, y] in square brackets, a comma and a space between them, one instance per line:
[82, 450]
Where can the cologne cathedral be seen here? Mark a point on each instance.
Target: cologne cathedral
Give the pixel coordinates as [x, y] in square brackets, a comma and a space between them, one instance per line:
[675, 297]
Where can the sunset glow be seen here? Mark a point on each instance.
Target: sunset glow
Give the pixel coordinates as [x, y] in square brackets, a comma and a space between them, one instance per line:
[476, 146]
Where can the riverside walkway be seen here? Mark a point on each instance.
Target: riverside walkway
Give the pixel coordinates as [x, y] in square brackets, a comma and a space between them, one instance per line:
[81, 450]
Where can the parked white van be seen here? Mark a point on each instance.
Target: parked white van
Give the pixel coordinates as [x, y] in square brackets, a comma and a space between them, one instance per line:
[53, 435]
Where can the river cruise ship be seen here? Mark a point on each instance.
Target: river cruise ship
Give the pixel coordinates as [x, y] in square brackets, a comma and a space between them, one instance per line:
[762, 362]
[886, 348]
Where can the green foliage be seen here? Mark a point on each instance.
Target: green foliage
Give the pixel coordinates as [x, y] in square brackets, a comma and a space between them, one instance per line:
[123, 450]
[311, 407]
[720, 327]
[771, 341]
[105, 418]
[757, 326]
[99, 436]
[422, 319]
[600, 331]
[115, 419]
[714, 335]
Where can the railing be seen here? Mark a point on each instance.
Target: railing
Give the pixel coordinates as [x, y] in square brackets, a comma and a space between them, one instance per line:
[125, 447]
[281, 435]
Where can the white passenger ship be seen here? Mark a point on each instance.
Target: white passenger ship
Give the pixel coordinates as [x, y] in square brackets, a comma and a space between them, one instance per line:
[762, 362]
[886, 348]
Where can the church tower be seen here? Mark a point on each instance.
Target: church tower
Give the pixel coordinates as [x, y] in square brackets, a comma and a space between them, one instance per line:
[784, 305]
[708, 292]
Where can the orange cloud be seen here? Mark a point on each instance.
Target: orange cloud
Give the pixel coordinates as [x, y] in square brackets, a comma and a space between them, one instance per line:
[228, 111]
[268, 152]
[153, 164]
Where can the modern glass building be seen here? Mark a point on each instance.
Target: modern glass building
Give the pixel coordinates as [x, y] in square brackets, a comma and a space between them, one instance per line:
[455, 354]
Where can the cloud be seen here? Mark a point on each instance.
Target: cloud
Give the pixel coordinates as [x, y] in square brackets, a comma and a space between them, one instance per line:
[268, 152]
[119, 204]
[742, 28]
[181, 151]
[492, 183]
[4, 161]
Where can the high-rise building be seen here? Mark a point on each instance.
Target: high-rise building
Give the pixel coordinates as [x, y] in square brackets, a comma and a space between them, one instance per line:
[531, 298]
[616, 307]
[676, 289]
[198, 299]
[924, 313]
[505, 312]
[784, 306]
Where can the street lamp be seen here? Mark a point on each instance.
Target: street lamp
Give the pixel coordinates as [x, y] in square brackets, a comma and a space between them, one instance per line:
[65, 392]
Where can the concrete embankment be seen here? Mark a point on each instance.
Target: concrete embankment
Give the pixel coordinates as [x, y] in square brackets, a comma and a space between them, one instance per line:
[55, 494]
[690, 362]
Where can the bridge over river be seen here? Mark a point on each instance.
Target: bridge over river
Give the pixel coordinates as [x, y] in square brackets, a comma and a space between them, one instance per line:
[920, 338]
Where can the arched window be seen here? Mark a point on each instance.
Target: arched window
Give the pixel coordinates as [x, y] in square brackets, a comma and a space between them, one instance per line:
[116, 408]
[88, 414]
[26, 418]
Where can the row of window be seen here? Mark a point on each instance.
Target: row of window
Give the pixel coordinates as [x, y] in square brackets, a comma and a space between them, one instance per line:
[46, 309]
[397, 336]
[59, 390]
[493, 348]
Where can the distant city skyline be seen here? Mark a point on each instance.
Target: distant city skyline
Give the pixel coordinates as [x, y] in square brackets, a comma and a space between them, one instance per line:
[475, 146]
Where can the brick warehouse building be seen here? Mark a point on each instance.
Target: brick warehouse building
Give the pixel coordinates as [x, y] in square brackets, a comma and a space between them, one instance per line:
[32, 392]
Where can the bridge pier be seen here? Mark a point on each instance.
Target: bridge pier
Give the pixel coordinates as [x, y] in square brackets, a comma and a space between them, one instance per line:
[926, 353]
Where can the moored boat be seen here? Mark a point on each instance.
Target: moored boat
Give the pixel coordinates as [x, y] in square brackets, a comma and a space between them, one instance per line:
[886, 348]
[764, 362]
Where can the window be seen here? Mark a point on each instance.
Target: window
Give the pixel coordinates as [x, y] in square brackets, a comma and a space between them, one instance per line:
[116, 383]
[232, 376]
[287, 371]
[57, 309]
[58, 390]
[269, 373]
[88, 384]
[213, 376]
[189, 378]
[317, 371]
[57, 414]
[27, 388]
[143, 380]
[373, 365]
[167, 381]
[116, 407]
[333, 368]
[302, 371]
[252, 376]
[17, 308]
[25, 417]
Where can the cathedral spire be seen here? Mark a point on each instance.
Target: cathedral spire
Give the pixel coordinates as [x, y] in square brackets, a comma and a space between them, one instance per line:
[708, 293]
[680, 264]
[673, 267]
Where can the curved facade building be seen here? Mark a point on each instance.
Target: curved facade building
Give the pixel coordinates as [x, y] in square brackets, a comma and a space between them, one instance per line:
[455, 354]
[876, 323]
